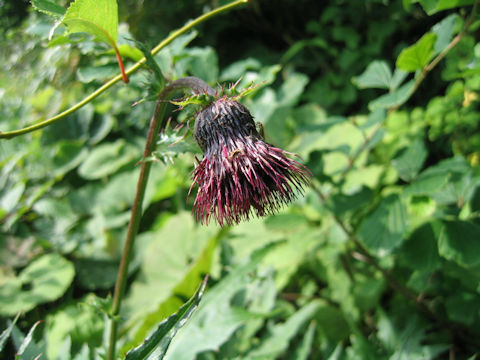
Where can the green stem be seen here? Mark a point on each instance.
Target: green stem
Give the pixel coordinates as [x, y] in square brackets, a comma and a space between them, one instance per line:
[156, 123]
[135, 67]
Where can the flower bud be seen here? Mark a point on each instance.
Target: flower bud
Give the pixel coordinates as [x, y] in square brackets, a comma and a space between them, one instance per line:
[240, 174]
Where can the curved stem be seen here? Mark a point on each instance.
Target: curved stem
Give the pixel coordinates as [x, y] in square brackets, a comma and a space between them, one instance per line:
[135, 67]
[156, 123]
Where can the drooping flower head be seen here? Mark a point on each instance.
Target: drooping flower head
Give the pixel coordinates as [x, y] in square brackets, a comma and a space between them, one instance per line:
[240, 174]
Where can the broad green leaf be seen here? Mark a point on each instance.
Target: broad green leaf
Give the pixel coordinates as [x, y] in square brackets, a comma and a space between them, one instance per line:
[420, 251]
[385, 228]
[463, 307]
[444, 31]
[281, 334]
[160, 339]
[48, 7]
[216, 319]
[107, 158]
[202, 63]
[79, 321]
[418, 55]
[99, 18]
[377, 75]
[404, 337]
[410, 160]
[459, 241]
[234, 71]
[186, 287]
[170, 257]
[6, 333]
[433, 6]
[44, 280]
[396, 98]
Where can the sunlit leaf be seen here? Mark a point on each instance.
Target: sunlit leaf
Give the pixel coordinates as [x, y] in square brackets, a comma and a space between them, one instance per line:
[45, 279]
[418, 55]
[99, 18]
[159, 341]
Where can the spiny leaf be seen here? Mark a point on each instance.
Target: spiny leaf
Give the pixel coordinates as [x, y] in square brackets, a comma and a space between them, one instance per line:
[167, 329]
[27, 339]
[6, 333]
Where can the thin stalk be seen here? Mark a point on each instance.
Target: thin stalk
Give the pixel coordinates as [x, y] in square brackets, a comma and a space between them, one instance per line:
[156, 123]
[135, 67]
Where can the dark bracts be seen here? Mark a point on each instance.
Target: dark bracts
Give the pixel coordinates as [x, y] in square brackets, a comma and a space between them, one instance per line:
[240, 174]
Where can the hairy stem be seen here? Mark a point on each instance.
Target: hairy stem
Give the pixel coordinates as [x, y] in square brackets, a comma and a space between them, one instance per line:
[135, 67]
[156, 123]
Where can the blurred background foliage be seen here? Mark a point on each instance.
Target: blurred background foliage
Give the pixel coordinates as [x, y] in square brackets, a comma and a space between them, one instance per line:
[379, 260]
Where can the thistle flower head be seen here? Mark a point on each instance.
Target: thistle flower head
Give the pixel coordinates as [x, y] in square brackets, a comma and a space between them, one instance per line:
[240, 174]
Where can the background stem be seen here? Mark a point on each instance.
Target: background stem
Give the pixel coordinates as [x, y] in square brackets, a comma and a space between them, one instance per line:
[156, 123]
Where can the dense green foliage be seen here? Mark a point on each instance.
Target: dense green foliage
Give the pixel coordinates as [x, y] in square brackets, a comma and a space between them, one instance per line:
[379, 260]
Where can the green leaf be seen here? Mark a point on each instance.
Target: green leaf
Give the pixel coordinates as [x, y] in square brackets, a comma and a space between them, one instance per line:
[377, 75]
[420, 251]
[99, 18]
[418, 55]
[216, 319]
[44, 280]
[160, 339]
[48, 7]
[385, 228]
[459, 241]
[433, 6]
[396, 98]
[304, 349]
[28, 339]
[107, 158]
[6, 333]
[410, 160]
[444, 31]
[463, 307]
[281, 334]
[81, 322]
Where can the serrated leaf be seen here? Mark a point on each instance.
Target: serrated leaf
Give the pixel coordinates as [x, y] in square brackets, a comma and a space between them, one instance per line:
[48, 7]
[99, 18]
[418, 55]
[6, 333]
[385, 228]
[28, 339]
[161, 338]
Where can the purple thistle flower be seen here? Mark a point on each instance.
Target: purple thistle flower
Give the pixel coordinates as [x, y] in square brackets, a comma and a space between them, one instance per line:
[240, 174]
